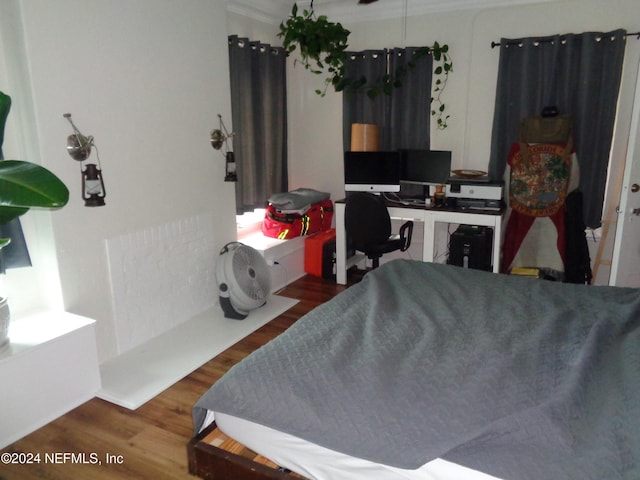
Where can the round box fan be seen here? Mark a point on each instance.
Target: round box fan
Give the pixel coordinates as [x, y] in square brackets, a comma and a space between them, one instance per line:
[243, 280]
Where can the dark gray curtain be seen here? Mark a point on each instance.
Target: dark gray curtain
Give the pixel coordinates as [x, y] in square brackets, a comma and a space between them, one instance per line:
[259, 110]
[16, 253]
[578, 73]
[357, 107]
[403, 116]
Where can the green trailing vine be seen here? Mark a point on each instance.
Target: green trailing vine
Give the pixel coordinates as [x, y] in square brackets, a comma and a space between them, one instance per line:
[322, 48]
[443, 67]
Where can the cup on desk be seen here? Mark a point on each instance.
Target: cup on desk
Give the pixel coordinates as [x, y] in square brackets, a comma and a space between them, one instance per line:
[439, 197]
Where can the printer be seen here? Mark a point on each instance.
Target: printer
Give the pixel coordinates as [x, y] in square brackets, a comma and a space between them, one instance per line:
[477, 192]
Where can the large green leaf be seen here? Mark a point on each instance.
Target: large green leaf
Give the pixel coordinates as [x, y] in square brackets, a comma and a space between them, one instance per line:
[25, 185]
[9, 213]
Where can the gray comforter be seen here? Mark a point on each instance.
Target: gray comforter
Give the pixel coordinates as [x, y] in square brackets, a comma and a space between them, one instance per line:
[519, 378]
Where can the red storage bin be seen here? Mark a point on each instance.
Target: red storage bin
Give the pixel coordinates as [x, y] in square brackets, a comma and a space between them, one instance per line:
[319, 254]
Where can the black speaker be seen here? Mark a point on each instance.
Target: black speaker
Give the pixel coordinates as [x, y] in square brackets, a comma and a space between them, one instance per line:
[470, 247]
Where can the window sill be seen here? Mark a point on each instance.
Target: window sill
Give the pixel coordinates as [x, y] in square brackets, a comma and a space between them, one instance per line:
[249, 224]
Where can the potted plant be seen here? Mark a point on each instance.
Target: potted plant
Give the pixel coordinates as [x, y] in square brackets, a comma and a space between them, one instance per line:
[322, 45]
[23, 185]
[322, 48]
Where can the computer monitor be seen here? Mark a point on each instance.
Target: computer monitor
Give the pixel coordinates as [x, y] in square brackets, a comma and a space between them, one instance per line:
[426, 167]
[375, 172]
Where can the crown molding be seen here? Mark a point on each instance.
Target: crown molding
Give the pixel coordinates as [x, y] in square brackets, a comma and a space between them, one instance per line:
[266, 11]
[275, 11]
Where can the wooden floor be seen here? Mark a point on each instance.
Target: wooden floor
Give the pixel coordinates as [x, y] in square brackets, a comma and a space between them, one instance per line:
[150, 442]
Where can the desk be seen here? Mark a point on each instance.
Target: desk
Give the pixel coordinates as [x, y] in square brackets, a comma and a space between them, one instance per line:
[429, 216]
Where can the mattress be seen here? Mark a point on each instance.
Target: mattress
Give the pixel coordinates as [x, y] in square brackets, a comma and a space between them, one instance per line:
[319, 463]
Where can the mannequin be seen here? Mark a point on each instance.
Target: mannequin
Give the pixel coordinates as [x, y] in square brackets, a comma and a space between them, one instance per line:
[542, 170]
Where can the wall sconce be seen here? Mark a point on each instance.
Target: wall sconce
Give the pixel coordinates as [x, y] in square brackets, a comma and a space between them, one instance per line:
[219, 138]
[79, 148]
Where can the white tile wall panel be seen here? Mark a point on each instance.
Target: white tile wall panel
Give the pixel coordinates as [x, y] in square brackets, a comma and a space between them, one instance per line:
[161, 276]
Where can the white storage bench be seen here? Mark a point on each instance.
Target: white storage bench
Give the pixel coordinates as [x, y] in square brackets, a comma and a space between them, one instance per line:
[49, 368]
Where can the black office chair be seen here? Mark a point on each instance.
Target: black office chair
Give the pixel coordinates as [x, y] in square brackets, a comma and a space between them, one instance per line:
[368, 227]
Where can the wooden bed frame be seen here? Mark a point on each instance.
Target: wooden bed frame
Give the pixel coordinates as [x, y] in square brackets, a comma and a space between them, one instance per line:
[215, 456]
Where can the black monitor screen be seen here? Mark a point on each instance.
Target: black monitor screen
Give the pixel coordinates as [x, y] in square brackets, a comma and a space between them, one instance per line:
[372, 171]
[426, 167]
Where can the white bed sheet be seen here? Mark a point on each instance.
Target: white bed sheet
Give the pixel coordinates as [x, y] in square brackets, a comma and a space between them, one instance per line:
[319, 463]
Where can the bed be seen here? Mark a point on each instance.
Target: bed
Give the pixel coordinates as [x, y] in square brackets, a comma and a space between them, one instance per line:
[429, 371]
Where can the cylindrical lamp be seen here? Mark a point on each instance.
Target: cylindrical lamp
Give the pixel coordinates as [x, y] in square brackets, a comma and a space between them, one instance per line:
[364, 137]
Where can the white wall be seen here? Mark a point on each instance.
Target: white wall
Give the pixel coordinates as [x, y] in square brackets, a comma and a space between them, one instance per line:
[264, 31]
[147, 79]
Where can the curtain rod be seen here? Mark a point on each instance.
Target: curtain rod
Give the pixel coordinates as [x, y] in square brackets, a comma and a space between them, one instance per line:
[547, 39]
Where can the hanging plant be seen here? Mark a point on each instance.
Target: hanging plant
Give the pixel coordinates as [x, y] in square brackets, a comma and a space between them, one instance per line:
[322, 47]
[321, 44]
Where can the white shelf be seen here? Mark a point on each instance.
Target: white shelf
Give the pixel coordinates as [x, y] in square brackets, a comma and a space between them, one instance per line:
[138, 375]
[49, 368]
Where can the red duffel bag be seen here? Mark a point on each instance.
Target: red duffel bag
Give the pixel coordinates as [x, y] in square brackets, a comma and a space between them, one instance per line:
[314, 218]
[297, 213]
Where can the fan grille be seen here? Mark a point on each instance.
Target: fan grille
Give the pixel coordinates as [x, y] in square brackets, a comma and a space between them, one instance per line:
[251, 274]
[243, 278]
